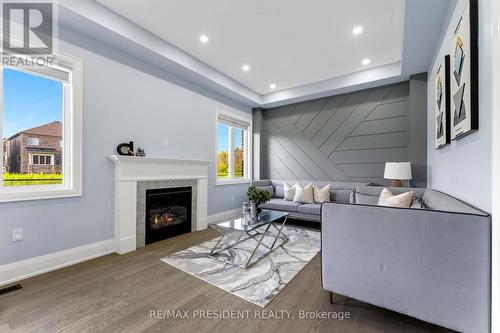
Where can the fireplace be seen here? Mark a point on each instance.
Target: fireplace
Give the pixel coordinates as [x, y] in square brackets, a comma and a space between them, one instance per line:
[168, 213]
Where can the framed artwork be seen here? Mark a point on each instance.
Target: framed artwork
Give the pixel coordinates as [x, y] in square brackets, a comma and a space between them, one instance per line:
[442, 106]
[464, 74]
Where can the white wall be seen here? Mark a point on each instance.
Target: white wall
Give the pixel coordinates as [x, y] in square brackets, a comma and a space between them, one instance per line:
[121, 103]
[463, 169]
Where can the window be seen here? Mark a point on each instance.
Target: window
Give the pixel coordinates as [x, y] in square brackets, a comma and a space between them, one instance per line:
[232, 149]
[41, 111]
[41, 159]
[33, 141]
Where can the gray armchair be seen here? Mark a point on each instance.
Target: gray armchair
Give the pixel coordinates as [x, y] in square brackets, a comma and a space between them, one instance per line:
[431, 263]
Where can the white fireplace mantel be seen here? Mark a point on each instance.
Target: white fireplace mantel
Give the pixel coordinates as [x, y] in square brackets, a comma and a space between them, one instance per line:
[132, 169]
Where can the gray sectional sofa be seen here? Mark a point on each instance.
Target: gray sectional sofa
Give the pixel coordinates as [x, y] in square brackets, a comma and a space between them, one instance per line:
[431, 262]
[340, 192]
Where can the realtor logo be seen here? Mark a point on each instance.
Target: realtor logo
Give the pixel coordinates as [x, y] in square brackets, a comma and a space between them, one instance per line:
[28, 27]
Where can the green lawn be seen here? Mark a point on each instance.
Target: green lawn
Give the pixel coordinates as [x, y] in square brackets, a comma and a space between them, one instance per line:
[22, 179]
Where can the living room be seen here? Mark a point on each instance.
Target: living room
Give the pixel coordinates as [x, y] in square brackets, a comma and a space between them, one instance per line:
[260, 166]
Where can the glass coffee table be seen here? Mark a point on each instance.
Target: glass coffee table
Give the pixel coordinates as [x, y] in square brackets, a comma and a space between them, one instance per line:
[248, 229]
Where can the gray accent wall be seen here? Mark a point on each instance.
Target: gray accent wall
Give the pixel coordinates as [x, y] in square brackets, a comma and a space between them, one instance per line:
[346, 137]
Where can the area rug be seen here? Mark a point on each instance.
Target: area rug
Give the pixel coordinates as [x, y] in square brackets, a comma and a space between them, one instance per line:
[261, 282]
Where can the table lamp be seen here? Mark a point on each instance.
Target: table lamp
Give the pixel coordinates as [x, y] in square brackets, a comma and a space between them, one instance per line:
[397, 171]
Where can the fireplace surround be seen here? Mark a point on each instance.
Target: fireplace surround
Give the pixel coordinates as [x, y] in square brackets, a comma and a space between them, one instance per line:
[134, 175]
[143, 187]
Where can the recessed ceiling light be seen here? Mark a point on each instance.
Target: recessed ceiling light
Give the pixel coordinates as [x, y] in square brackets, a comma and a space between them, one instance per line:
[204, 39]
[365, 62]
[245, 68]
[272, 86]
[358, 30]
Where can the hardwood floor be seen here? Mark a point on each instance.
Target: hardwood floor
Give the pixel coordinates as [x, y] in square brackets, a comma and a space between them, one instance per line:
[117, 294]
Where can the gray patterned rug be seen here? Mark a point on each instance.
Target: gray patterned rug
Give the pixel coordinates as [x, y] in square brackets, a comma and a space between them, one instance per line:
[261, 282]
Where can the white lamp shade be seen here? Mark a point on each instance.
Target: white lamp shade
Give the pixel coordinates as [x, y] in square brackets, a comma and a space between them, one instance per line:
[397, 170]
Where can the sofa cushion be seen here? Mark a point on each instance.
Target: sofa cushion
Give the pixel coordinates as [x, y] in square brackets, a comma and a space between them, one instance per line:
[402, 200]
[314, 209]
[340, 195]
[279, 192]
[340, 191]
[268, 188]
[440, 201]
[365, 199]
[304, 195]
[322, 194]
[289, 191]
[282, 205]
[376, 190]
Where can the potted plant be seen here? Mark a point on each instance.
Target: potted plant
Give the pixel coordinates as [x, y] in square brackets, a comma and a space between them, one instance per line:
[258, 196]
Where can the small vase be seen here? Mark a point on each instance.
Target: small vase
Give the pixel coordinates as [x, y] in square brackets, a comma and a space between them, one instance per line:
[253, 209]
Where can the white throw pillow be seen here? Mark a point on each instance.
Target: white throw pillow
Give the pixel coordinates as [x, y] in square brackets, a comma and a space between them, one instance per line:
[322, 194]
[388, 199]
[304, 194]
[289, 191]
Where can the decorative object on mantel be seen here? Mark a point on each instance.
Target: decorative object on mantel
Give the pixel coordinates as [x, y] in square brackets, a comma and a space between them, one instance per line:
[442, 107]
[140, 152]
[258, 196]
[464, 73]
[126, 149]
[397, 171]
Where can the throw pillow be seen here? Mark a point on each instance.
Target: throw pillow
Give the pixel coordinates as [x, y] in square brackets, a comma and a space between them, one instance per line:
[304, 194]
[289, 191]
[322, 194]
[388, 199]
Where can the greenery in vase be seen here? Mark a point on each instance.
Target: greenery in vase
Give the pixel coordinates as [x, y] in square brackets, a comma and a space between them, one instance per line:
[258, 196]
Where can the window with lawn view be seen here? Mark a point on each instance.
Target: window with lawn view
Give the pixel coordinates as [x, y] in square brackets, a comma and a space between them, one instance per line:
[232, 150]
[32, 128]
[40, 131]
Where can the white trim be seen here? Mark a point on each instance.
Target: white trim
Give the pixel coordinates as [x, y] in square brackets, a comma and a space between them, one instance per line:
[495, 183]
[72, 139]
[154, 160]
[24, 269]
[242, 118]
[224, 215]
[131, 169]
[232, 181]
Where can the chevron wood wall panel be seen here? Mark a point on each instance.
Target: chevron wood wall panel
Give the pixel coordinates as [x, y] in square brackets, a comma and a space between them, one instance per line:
[346, 137]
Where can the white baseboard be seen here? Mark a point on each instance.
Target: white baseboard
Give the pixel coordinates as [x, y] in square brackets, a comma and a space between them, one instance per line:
[223, 215]
[126, 244]
[24, 269]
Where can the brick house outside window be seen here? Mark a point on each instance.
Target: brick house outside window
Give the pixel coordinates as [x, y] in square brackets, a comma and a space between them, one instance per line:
[35, 150]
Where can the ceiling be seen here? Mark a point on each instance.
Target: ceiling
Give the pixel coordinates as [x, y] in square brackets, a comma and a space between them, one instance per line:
[288, 43]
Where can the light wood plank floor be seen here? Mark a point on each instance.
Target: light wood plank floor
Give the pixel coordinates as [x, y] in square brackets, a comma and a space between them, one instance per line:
[116, 294]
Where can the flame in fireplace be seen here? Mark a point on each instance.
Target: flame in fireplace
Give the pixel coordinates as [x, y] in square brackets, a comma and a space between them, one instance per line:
[162, 219]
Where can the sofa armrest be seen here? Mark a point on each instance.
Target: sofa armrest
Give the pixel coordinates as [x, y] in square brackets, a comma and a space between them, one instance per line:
[432, 265]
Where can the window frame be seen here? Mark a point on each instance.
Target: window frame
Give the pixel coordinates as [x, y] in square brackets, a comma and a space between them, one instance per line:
[246, 121]
[39, 155]
[72, 136]
[32, 138]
